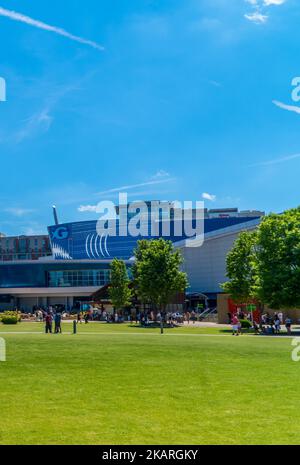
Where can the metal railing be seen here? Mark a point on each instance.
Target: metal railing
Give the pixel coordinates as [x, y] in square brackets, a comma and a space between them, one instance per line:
[208, 313]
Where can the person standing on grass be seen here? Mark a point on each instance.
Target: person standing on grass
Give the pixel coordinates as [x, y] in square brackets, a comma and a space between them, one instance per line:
[288, 325]
[235, 325]
[188, 316]
[57, 321]
[193, 317]
[277, 325]
[48, 321]
[280, 316]
[239, 326]
[255, 327]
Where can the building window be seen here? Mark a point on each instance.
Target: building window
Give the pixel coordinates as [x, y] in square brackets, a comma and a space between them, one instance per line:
[22, 245]
[78, 278]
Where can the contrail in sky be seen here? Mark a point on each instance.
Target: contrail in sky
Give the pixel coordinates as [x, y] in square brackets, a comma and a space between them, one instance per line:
[275, 161]
[40, 25]
[134, 186]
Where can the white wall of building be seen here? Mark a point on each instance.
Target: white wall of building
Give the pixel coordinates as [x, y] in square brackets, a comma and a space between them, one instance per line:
[206, 265]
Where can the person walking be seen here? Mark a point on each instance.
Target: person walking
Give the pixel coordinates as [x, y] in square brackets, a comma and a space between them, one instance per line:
[48, 321]
[57, 321]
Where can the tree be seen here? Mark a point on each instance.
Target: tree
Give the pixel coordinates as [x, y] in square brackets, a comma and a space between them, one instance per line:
[278, 259]
[241, 268]
[266, 264]
[156, 272]
[119, 291]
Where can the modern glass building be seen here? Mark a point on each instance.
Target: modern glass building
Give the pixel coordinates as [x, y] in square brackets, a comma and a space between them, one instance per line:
[37, 283]
[77, 261]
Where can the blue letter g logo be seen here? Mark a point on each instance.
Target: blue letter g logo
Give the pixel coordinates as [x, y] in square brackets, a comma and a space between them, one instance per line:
[60, 233]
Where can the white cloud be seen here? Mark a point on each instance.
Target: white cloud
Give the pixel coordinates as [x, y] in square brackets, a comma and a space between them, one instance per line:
[40, 25]
[88, 208]
[33, 230]
[256, 17]
[208, 196]
[18, 211]
[284, 106]
[42, 119]
[39, 120]
[260, 7]
[273, 2]
[215, 83]
[161, 174]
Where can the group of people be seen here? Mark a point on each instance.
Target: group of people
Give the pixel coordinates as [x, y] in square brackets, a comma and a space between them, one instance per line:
[191, 316]
[49, 319]
[268, 324]
[94, 315]
[49, 316]
[273, 323]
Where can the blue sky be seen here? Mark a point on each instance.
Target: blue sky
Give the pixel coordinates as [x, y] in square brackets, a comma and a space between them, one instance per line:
[179, 103]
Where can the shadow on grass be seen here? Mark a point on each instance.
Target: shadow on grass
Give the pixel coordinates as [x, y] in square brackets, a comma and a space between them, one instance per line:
[153, 326]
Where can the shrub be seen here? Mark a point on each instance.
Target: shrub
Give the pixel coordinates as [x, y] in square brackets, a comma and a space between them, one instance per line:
[9, 318]
[246, 324]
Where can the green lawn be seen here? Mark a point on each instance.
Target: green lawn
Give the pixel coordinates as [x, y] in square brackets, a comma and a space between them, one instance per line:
[116, 384]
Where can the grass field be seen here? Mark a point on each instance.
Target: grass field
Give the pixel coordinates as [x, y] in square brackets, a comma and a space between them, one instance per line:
[116, 384]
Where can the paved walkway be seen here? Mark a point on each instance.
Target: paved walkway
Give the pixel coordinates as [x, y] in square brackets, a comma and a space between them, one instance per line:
[205, 324]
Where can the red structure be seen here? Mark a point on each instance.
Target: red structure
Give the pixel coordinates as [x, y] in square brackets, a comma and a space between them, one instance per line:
[233, 308]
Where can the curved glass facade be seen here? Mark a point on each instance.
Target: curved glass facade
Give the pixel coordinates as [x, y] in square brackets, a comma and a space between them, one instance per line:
[81, 241]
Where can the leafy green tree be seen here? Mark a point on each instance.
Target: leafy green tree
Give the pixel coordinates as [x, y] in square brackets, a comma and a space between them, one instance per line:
[278, 259]
[119, 291]
[156, 272]
[241, 268]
